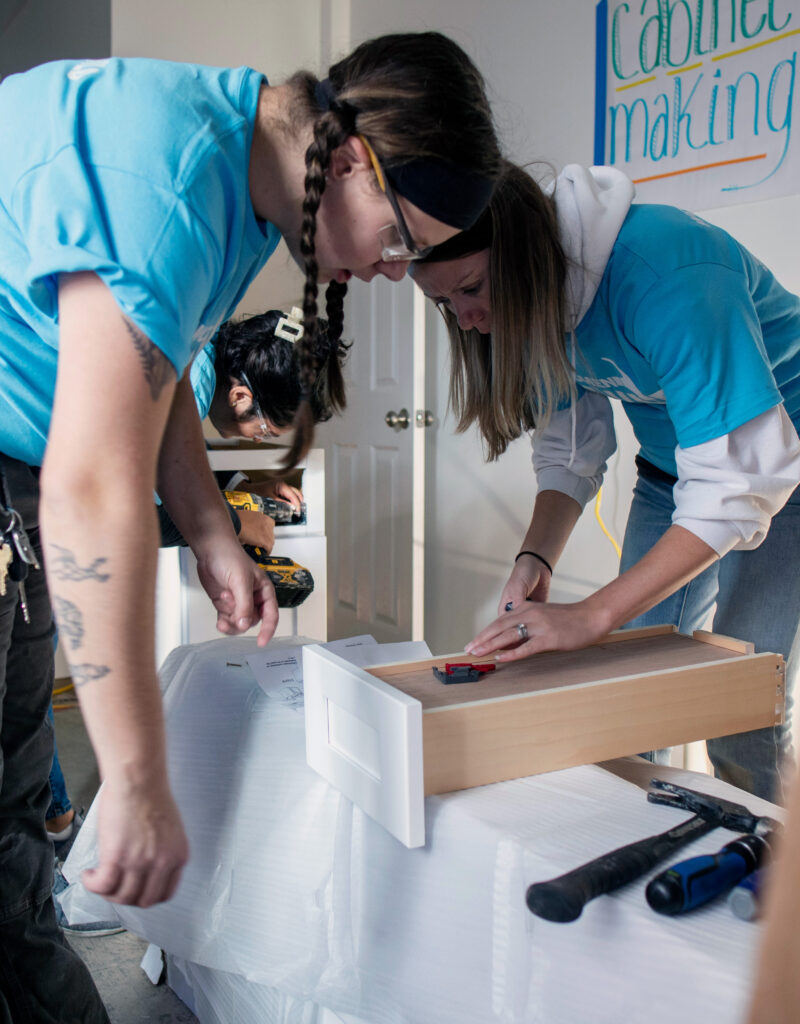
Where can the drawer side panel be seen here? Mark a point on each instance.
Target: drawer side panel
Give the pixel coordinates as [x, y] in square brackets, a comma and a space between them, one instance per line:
[490, 741]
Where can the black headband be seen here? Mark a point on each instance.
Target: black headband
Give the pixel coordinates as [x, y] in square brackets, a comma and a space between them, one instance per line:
[448, 193]
[465, 243]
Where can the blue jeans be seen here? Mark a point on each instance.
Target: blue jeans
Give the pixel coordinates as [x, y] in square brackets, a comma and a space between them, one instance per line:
[59, 798]
[757, 597]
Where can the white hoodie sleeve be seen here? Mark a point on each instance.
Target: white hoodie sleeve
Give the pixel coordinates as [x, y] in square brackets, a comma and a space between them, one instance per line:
[729, 488]
[571, 452]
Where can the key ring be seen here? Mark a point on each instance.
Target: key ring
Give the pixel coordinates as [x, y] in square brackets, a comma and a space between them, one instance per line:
[7, 519]
[16, 535]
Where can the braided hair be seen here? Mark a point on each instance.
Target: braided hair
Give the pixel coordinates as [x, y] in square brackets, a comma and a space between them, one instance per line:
[272, 364]
[412, 95]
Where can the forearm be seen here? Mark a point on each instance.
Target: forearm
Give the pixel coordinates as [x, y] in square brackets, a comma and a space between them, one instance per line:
[675, 559]
[100, 548]
[113, 396]
[776, 995]
[554, 518]
[186, 484]
[170, 536]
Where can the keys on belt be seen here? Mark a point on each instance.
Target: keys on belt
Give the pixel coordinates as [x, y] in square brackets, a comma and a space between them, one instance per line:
[16, 555]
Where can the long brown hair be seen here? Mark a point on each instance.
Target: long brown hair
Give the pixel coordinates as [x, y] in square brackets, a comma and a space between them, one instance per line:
[412, 96]
[513, 380]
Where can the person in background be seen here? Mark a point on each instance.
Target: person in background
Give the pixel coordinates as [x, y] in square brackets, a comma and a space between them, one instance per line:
[558, 301]
[61, 819]
[247, 382]
[138, 200]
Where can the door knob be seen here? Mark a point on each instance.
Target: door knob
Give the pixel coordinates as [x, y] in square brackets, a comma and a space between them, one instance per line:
[424, 417]
[397, 419]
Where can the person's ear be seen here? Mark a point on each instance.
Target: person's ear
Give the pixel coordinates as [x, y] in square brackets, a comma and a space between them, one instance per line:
[348, 158]
[240, 397]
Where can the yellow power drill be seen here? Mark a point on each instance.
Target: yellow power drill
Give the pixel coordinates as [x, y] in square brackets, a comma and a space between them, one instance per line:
[293, 582]
[282, 512]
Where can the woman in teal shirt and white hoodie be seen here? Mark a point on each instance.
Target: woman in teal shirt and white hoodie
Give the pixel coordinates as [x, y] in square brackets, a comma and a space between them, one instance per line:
[559, 301]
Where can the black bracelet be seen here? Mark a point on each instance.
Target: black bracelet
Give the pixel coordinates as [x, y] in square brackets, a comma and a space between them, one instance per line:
[544, 561]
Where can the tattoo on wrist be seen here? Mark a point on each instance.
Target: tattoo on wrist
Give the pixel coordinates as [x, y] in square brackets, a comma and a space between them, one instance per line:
[82, 674]
[64, 566]
[157, 368]
[70, 621]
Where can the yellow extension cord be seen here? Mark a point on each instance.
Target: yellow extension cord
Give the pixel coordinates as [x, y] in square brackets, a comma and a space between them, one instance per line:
[603, 526]
[63, 689]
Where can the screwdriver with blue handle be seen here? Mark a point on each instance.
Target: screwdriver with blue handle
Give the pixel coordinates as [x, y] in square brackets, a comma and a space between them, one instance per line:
[696, 881]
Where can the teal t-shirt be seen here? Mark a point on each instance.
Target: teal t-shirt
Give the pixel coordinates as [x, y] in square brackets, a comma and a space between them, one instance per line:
[690, 331]
[136, 170]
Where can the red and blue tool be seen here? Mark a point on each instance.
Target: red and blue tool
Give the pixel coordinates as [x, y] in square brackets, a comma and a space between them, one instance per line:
[463, 671]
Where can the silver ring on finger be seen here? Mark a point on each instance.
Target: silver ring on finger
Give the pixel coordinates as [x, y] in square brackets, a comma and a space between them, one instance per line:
[522, 629]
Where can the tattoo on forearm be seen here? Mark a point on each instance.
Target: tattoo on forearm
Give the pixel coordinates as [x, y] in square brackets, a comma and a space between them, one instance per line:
[82, 674]
[63, 566]
[70, 621]
[157, 368]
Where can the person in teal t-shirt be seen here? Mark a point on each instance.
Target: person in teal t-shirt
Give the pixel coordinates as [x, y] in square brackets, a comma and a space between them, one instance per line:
[247, 381]
[138, 200]
[558, 303]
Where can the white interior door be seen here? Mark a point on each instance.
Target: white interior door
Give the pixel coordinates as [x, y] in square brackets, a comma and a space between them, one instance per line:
[375, 470]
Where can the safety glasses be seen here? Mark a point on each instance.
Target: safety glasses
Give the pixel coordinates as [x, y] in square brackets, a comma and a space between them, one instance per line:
[396, 242]
[267, 434]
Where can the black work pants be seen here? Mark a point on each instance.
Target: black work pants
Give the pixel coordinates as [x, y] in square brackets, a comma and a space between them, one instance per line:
[42, 980]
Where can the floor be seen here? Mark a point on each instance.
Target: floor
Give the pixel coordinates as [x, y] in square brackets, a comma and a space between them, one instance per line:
[114, 960]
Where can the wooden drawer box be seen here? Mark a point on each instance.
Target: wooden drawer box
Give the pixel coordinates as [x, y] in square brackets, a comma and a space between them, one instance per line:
[390, 735]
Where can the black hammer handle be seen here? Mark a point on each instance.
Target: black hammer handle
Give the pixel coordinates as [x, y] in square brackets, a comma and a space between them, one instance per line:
[563, 898]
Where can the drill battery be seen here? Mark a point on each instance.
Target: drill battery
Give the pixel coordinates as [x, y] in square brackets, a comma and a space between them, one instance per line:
[293, 583]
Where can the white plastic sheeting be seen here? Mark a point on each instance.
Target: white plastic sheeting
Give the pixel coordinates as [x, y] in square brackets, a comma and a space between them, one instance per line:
[294, 900]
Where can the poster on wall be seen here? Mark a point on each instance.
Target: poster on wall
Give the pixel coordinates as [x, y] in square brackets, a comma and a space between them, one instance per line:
[695, 99]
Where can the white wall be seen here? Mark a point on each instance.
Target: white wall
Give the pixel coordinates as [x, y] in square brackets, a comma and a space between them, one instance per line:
[275, 37]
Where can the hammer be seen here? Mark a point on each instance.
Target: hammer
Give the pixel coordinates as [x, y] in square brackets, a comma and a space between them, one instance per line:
[563, 898]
